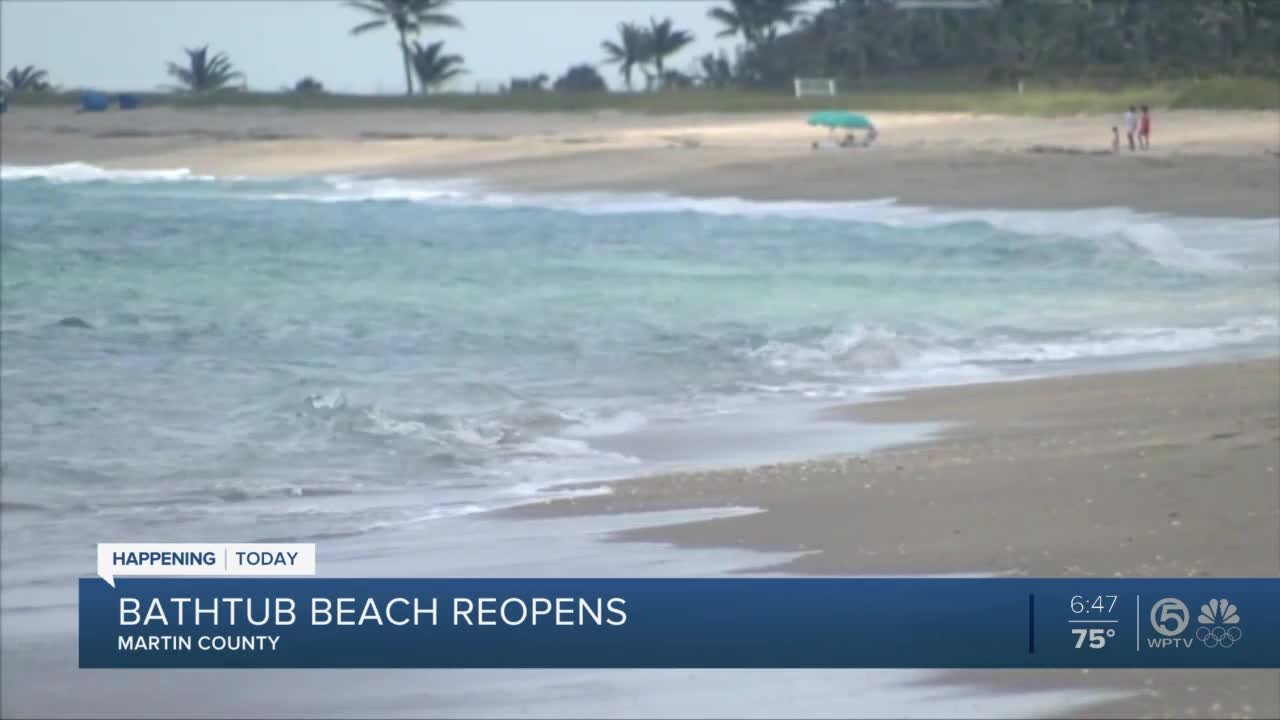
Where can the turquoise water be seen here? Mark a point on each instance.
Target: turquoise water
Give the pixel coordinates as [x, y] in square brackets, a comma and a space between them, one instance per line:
[327, 356]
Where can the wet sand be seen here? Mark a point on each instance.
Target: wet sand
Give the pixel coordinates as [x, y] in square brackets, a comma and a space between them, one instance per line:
[1156, 473]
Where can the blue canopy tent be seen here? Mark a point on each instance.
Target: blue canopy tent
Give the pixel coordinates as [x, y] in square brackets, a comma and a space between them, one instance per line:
[94, 101]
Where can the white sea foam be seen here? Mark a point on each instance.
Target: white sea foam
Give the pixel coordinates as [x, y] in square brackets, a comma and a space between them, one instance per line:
[1135, 341]
[596, 425]
[76, 172]
[873, 355]
[1199, 244]
[844, 364]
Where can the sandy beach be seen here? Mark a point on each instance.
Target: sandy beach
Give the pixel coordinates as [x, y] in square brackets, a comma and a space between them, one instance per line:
[1201, 163]
[1159, 473]
[1155, 473]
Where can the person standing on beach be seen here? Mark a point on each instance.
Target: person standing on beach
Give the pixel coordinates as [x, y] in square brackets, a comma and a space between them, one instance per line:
[1144, 129]
[1131, 125]
[1115, 139]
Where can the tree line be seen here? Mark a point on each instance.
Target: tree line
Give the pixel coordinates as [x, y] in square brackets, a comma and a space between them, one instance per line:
[855, 41]
[862, 41]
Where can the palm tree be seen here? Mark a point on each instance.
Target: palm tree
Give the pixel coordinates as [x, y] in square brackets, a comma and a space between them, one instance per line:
[203, 72]
[664, 41]
[27, 79]
[756, 20]
[735, 20]
[716, 71]
[632, 50]
[434, 68]
[408, 17]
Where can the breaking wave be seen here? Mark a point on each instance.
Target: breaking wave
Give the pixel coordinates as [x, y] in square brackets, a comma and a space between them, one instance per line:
[1194, 244]
[76, 172]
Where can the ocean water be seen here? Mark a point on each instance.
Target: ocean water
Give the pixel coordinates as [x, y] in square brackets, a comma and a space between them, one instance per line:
[375, 363]
[327, 356]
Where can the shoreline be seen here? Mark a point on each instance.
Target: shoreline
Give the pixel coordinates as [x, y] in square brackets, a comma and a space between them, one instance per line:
[1211, 164]
[1141, 419]
[1108, 474]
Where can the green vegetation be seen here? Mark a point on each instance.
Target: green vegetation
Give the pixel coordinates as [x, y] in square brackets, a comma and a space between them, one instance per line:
[1018, 44]
[308, 84]
[1246, 93]
[630, 51]
[664, 40]
[408, 18]
[433, 66]
[638, 46]
[1033, 102]
[580, 79]
[203, 72]
[27, 79]
[758, 20]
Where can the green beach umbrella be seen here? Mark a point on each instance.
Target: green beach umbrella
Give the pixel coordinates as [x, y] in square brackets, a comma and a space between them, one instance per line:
[840, 119]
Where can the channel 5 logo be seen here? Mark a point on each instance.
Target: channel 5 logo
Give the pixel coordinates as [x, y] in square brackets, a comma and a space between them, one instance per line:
[1219, 624]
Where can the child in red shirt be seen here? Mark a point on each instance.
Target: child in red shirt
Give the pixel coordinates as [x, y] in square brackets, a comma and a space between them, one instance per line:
[1144, 129]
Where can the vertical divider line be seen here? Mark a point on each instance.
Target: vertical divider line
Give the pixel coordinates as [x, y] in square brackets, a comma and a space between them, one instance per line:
[1031, 623]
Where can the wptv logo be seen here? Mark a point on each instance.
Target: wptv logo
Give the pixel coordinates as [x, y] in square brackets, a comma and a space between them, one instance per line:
[1217, 624]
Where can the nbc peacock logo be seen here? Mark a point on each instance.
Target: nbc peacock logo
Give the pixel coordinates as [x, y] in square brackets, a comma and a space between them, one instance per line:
[1219, 624]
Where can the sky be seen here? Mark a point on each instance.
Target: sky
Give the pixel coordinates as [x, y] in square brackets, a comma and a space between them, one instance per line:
[116, 45]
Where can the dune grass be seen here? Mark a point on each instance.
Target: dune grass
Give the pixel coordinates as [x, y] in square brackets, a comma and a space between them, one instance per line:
[1231, 92]
[1226, 93]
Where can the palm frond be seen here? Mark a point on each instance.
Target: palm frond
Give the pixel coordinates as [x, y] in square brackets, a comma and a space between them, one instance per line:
[372, 7]
[614, 51]
[731, 22]
[438, 20]
[27, 79]
[433, 66]
[204, 72]
[408, 18]
[365, 27]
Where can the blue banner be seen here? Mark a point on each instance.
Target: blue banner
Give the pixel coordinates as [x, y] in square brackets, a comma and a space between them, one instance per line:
[680, 623]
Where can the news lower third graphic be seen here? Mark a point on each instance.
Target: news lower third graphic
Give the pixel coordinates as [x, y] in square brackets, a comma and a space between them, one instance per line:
[256, 606]
[205, 559]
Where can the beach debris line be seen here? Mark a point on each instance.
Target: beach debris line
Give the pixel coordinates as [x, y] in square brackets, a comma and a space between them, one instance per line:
[1065, 150]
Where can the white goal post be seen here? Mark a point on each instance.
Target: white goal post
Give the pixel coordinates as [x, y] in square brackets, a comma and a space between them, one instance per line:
[815, 86]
